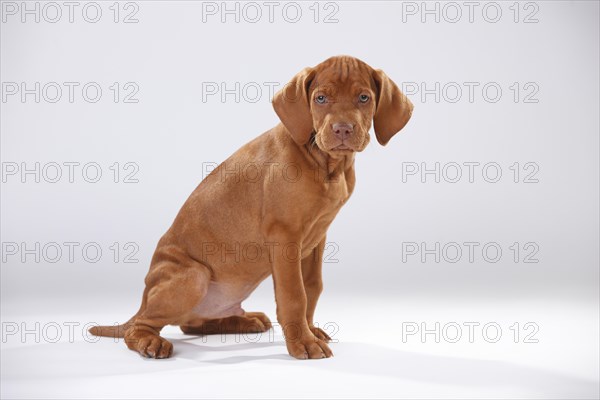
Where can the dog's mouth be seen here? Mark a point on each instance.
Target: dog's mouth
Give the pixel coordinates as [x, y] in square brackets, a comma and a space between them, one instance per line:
[335, 146]
[341, 147]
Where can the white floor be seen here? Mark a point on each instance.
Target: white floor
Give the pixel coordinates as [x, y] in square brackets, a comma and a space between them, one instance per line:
[371, 357]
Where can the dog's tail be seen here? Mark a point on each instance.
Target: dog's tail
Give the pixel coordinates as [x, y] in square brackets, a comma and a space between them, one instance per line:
[114, 331]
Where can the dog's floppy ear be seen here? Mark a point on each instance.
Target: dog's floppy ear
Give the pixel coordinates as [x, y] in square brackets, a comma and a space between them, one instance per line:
[393, 108]
[293, 106]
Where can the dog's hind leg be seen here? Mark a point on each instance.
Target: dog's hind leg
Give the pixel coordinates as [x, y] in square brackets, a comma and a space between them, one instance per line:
[172, 290]
[250, 322]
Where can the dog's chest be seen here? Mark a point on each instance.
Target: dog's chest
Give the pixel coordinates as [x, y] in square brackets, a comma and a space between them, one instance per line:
[337, 188]
[334, 193]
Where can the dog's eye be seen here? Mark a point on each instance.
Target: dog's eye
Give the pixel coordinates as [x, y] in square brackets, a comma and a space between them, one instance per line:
[363, 98]
[321, 99]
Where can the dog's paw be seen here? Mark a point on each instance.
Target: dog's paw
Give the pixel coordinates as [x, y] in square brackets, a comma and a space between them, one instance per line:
[260, 320]
[149, 345]
[309, 348]
[157, 347]
[320, 334]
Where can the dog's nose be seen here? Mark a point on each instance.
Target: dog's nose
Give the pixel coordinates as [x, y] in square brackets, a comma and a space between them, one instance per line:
[342, 130]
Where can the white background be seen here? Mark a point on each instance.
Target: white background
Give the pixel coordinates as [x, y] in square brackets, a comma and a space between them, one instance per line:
[374, 289]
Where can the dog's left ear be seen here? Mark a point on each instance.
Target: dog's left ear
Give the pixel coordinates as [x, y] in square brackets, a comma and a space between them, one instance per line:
[293, 108]
[393, 108]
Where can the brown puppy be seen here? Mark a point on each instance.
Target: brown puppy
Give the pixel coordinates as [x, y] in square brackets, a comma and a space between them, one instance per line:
[266, 210]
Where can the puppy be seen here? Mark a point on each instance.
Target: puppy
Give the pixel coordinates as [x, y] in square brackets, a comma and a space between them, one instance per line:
[265, 211]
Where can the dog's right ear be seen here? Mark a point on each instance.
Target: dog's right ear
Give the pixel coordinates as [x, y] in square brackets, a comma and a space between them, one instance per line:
[292, 105]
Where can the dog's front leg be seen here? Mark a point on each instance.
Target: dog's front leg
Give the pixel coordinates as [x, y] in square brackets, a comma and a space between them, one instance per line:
[291, 301]
[313, 286]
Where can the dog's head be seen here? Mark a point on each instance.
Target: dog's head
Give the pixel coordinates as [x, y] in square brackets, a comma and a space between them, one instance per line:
[335, 102]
